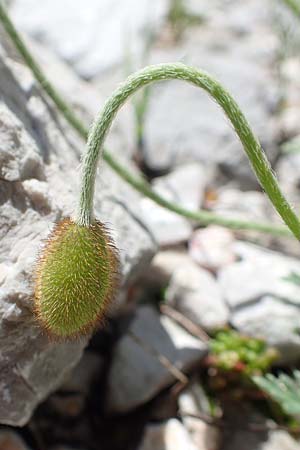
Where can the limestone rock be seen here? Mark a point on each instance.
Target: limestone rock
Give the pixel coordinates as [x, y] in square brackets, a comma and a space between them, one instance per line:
[166, 227]
[164, 264]
[167, 436]
[184, 186]
[276, 321]
[184, 124]
[187, 183]
[238, 438]
[194, 401]
[251, 205]
[136, 374]
[39, 159]
[267, 268]
[255, 206]
[89, 36]
[262, 302]
[212, 247]
[195, 293]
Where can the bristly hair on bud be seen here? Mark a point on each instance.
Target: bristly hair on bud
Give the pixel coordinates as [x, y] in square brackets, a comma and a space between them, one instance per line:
[75, 279]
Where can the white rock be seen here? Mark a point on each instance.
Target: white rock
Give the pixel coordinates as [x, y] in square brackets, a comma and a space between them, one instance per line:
[280, 440]
[166, 227]
[164, 264]
[259, 272]
[93, 36]
[274, 320]
[212, 247]
[288, 175]
[39, 159]
[86, 99]
[19, 159]
[195, 292]
[262, 302]
[187, 183]
[167, 436]
[38, 195]
[237, 204]
[194, 401]
[184, 186]
[184, 124]
[255, 206]
[136, 375]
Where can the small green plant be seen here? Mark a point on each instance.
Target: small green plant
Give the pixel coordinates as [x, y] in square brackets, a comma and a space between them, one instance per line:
[231, 351]
[284, 390]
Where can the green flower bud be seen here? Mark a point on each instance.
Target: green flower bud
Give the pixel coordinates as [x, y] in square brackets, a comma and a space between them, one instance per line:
[75, 279]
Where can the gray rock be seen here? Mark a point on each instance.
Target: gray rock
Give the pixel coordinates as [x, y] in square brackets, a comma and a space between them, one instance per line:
[267, 268]
[255, 206]
[184, 186]
[77, 385]
[136, 374]
[166, 227]
[240, 438]
[92, 38]
[187, 183]
[183, 124]
[276, 321]
[290, 82]
[262, 302]
[195, 293]
[79, 380]
[170, 435]
[280, 440]
[288, 174]
[194, 401]
[251, 205]
[86, 99]
[164, 264]
[38, 185]
[212, 247]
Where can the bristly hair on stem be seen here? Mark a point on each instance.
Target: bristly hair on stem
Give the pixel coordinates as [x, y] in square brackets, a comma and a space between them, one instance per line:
[202, 217]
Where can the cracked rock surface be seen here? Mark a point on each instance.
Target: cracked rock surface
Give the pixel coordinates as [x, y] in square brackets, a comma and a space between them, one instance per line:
[39, 177]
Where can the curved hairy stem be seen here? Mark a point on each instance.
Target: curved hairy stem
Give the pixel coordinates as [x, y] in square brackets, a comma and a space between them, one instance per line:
[200, 79]
[203, 217]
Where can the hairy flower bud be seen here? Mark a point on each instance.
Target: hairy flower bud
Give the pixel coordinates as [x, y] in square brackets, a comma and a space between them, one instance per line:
[75, 279]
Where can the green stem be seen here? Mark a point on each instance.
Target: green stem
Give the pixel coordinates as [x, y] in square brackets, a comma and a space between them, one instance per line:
[203, 217]
[200, 79]
[294, 5]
